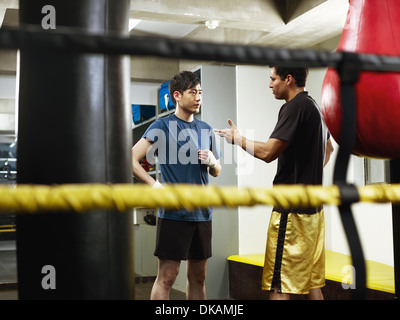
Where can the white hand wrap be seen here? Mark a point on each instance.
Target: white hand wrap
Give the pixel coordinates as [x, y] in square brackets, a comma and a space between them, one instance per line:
[157, 184]
[210, 161]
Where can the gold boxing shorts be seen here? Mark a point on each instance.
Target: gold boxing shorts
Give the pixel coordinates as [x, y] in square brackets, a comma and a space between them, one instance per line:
[295, 253]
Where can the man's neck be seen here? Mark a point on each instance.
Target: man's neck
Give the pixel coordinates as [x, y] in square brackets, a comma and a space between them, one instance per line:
[294, 92]
[185, 116]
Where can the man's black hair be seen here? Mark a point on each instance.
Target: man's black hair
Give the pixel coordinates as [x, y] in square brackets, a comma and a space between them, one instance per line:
[299, 74]
[183, 81]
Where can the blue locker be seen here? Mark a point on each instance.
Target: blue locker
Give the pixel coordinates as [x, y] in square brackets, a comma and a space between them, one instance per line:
[164, 97]
[142, 112]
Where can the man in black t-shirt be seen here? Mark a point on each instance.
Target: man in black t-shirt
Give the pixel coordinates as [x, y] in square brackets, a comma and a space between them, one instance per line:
[295, 252]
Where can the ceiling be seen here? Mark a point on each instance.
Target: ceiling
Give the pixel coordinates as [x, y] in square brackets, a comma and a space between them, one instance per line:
[315, 24]
[279, 23]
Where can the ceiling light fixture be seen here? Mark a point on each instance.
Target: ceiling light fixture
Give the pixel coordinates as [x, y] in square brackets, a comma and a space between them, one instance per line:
[212, 24]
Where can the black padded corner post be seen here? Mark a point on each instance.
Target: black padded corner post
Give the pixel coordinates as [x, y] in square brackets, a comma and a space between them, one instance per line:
[74, 128]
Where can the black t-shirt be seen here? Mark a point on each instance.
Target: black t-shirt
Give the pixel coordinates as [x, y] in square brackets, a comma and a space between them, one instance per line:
[300, 122]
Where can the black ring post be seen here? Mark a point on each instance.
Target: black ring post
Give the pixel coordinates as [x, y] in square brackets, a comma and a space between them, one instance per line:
[74, 126]
[349, 70]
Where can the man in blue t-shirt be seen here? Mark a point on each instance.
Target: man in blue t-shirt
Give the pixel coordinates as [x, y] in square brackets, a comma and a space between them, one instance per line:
[187, 152]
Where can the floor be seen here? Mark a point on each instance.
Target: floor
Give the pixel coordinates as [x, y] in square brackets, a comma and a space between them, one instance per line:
[8, 277]
[143, 289]
[142, 292]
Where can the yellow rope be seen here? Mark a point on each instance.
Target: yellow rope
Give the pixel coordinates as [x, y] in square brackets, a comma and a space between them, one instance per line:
[121, 197]
[7, 230]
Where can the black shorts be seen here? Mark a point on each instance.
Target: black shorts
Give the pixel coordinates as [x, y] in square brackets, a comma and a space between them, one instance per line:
[182, 240]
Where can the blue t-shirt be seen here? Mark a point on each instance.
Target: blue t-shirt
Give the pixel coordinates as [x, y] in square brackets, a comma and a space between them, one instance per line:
[175, 144]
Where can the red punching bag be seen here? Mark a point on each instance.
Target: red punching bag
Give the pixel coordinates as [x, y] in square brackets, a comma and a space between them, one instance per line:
[372, 27]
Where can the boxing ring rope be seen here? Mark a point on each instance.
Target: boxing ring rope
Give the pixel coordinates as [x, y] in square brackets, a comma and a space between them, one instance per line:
[36, 39]
[30, 199]
[80, 198]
